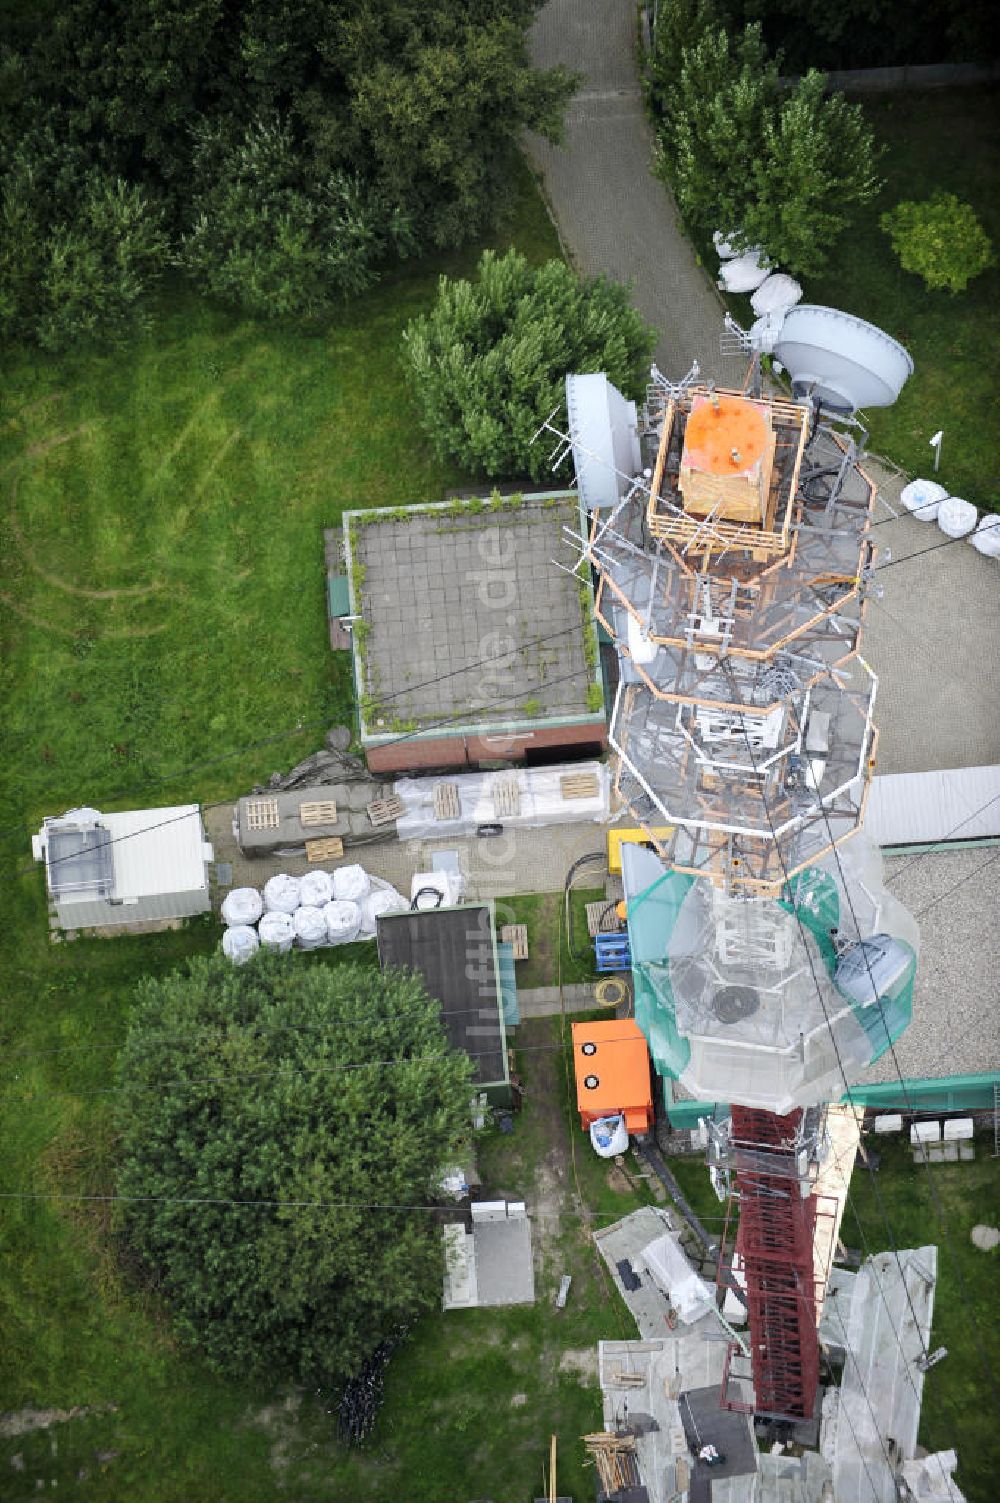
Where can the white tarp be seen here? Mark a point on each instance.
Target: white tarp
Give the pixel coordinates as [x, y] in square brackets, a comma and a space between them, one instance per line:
[276, 930]
[986, 538]
[922, 499]
[541, 800]
[310, 927]
[239, 943]
[316, 888]
[956, 517]
[343, 920]
[745, 273]
[351, 882]
[686, 1290]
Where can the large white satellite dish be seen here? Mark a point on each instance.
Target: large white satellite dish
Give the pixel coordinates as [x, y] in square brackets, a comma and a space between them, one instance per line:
[841, 360]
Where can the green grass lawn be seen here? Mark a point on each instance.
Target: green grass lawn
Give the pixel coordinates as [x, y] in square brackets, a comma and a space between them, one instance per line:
[948, 140]
[960, 1393]
[542, 912]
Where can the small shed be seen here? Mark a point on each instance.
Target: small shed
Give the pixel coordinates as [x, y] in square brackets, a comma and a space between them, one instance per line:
[123, 869]
[612, 1073]
[455, 951]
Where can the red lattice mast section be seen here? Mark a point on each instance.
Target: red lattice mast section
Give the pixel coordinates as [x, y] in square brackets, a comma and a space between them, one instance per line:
[775, 1242]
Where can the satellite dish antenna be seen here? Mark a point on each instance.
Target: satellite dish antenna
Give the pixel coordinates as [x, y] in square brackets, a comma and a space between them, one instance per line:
[841, 361]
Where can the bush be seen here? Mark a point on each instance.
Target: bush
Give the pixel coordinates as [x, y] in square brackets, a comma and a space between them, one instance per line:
[490, 359]
[272, 235]
[79, 248]
[325, 1096]
[939, 239]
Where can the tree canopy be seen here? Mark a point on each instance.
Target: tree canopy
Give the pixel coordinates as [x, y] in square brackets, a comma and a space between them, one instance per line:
[380, 128]
[328, 1088]
[779, 167]
[490, 359]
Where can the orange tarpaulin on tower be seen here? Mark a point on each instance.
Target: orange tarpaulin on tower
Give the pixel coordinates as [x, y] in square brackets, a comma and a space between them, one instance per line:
[612, 1072]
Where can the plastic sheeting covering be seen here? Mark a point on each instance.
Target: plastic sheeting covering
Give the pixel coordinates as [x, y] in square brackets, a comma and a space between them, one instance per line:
[276, 930]
[310, 927]
[351, 882]
[343, 920]
[745, 273]
[724, 248]
[669, 1268]
[281, 894]
[242, 906]
[239, 943]
[956, 517]
[986, 538]
[316, 888]
[541, 800]
[738, 998]
[922, 499]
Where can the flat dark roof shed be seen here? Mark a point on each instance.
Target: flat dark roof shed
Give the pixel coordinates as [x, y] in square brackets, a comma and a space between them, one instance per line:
[454, 950]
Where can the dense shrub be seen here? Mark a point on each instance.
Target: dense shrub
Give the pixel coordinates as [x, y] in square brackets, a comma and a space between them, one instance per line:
[277, 1118]
[490, 359]
[940, 239]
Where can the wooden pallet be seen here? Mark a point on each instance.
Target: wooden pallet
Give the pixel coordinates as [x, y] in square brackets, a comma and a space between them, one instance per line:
[578, 785]
[602, 918]
[261, 814]
[326, 848]
[516, 935]
[446, 802]
[318, 812]
[506, 797]
[383, 811]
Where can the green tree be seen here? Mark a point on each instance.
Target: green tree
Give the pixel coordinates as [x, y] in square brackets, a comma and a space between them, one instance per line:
[329, 1089]
[939, 239]
[489, 361]
[815, 162]
[715, 118]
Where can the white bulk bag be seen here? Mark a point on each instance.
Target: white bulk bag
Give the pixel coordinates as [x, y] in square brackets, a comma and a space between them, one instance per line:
[239, 943]
[956, 517]
[922, 499]
[244, 905]
[745, 274]
[351, 882]
[384, 900]
[776, 294]
[986, 538]
[281, 894]
[724, 248]
[343, 920]
[609, 1136]
[310, 927]
[315, 889]
[276, 930]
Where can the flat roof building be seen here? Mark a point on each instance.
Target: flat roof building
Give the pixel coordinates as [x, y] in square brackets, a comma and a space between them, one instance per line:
[470, 647]
[127, 868]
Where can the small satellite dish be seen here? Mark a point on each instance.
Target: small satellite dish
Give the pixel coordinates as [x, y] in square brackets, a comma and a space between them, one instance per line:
[840, 360]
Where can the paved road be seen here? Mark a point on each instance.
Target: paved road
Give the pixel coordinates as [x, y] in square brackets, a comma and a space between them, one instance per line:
[934, 639]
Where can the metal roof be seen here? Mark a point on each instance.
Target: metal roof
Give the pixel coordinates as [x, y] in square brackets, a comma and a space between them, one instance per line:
[922, 808]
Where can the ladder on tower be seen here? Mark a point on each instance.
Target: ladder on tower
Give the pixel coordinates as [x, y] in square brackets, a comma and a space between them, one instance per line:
[996, 1119]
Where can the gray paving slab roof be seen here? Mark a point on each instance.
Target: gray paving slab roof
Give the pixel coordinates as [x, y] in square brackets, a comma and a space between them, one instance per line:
[468, 619]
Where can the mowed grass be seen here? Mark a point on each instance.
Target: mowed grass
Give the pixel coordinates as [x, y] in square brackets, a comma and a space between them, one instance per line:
[161, 535]
[162, 636]
[944, 140]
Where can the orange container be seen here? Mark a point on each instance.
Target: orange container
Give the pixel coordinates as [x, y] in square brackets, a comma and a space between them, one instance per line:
[611, 1060]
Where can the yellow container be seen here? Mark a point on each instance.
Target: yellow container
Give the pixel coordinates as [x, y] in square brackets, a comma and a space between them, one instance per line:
[618, 838]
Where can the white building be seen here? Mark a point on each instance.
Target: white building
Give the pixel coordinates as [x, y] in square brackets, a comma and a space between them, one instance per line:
[124, 869]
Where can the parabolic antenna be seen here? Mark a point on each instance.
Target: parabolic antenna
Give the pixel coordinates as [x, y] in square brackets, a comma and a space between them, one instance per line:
[842, 361]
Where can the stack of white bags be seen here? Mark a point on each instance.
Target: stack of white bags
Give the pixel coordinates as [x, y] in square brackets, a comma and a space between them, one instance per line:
[928, 501]
[309, 912]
